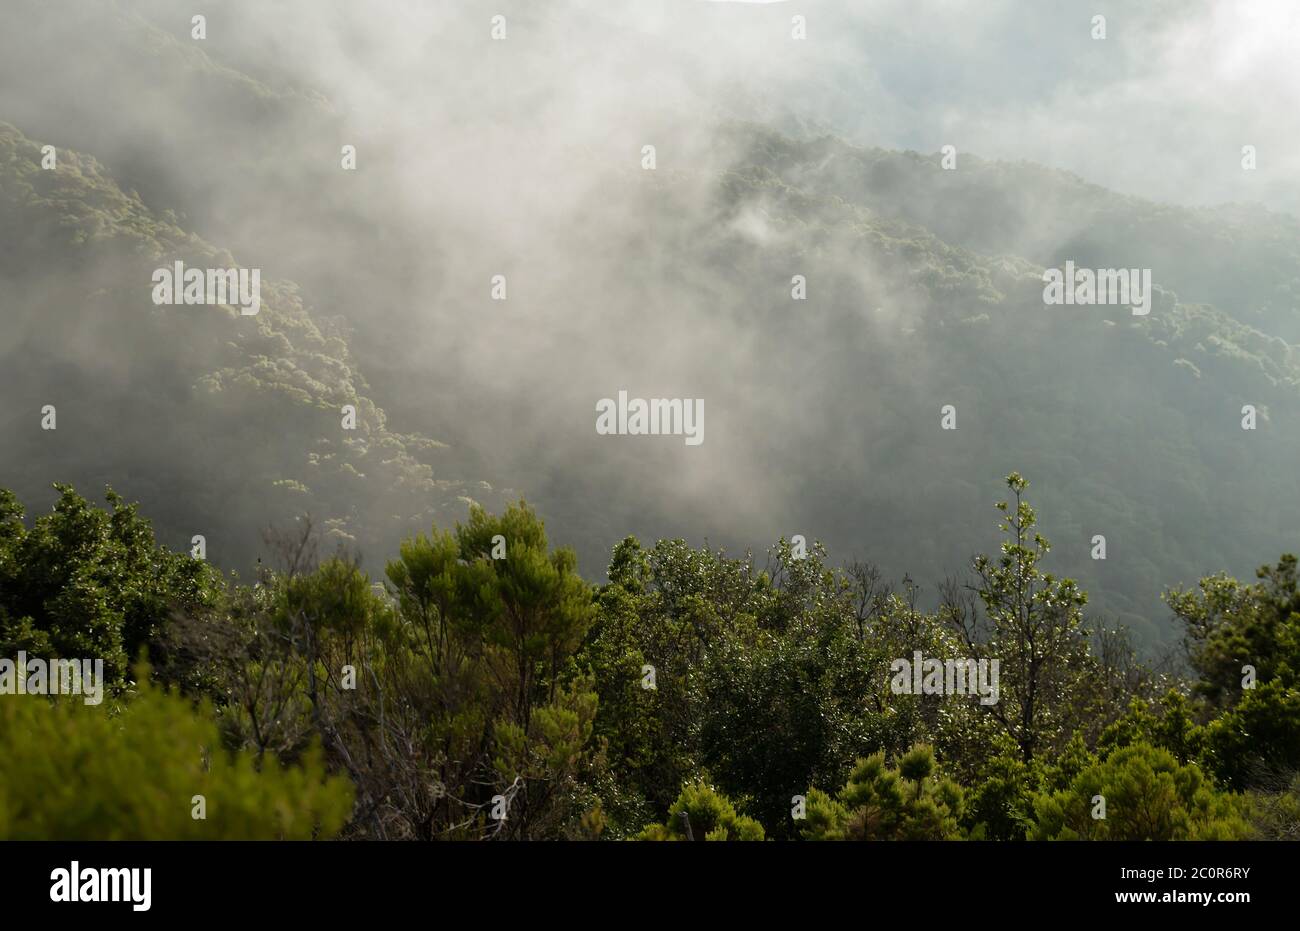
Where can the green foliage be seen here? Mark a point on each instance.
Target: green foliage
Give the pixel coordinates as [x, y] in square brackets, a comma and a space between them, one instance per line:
[1233, 628]
[909, 802]
[999, 806]
[496, 632]
[89, 583]
[764, 679]
[1257, 739]
[487, 676]
[1033, 626]
[702, 813]
[1171, 727]
[73, 772]
[449, 698]
[1230, 624]
[1148, 795]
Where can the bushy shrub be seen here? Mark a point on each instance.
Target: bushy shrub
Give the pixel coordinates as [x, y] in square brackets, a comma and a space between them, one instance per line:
[75, 772]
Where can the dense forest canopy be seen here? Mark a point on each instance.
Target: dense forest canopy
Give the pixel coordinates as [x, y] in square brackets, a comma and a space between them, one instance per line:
[485, 690]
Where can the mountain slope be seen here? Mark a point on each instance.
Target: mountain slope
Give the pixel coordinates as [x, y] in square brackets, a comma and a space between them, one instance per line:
[823, 415]
[1245, 259]
[221, 423]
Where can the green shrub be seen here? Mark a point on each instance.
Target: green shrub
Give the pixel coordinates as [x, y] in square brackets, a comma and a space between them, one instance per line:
[75, 772]
[911, 802]
[711, 814]
[1148, 795]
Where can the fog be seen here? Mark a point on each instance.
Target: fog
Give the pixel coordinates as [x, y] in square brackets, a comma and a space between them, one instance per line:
[523, 157]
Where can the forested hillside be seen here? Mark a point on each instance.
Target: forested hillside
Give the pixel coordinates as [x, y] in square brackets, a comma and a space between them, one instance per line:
[235, 422]
[1243, 258]
[923, 289]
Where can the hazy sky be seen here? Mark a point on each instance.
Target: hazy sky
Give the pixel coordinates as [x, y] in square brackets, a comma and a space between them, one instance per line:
[1160, 108]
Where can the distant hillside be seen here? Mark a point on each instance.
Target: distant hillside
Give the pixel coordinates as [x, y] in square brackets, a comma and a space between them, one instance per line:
[1243, 258]
[222, 423]
[823, 416]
